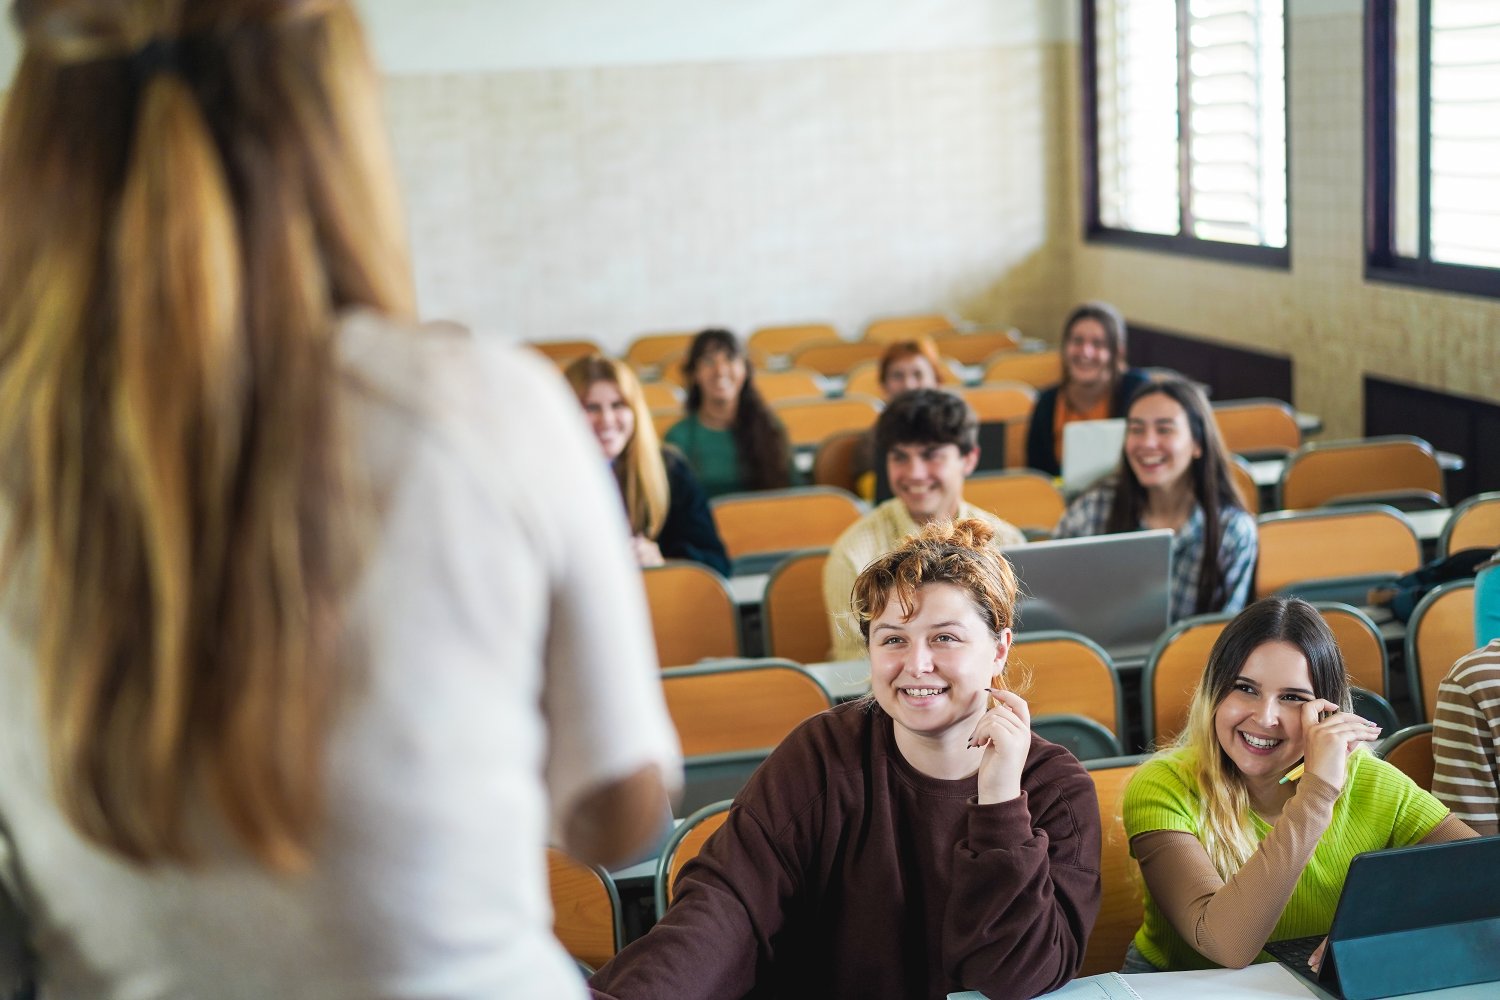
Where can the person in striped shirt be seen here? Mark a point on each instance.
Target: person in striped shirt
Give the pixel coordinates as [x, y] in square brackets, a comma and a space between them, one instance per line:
[1466, 739]
[1233, 857]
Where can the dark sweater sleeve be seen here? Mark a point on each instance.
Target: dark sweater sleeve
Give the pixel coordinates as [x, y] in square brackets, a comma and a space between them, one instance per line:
[1026, 883]
[1041, 443]
[689, 531]
[1132, 380]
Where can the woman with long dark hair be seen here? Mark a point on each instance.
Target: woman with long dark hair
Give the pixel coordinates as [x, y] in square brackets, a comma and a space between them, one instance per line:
[1233, 856]
[730, 436]
[1174, 473]
[309, 642]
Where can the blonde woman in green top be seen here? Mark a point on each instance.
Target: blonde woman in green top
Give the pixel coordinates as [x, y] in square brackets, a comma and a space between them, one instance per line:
[1232, 857]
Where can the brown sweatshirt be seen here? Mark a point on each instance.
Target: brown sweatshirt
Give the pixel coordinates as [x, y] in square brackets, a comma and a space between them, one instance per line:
[843, 872]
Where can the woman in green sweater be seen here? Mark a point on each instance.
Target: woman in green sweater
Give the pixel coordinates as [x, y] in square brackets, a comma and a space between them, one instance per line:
[1231, 855]
[730, 436]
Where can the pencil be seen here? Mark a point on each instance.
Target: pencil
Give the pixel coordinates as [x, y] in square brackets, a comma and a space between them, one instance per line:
[1292, 775]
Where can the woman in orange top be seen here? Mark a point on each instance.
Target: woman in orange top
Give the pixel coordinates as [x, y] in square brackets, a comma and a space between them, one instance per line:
[1096, 382]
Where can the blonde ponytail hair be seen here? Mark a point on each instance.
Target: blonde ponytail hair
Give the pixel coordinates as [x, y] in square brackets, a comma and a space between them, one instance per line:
[181, 236]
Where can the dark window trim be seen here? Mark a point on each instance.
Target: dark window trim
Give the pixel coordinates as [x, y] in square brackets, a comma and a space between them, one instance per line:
[1382, 262]
[1189, 246]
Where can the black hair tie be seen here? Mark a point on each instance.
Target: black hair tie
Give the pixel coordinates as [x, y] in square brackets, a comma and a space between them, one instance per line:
[160, 55]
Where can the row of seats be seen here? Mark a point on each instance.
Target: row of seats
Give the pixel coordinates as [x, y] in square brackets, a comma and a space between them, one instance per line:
[1336, 553]
[820, 343]
[586, 903]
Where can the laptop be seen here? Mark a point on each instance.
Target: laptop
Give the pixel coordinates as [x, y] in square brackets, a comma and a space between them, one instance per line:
[1115, 589]
[1091, 451]
[1409, 920]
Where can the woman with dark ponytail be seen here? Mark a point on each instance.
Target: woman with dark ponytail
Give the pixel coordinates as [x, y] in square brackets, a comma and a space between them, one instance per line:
[256, 737]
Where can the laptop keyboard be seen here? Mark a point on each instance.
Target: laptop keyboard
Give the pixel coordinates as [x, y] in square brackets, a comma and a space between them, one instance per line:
[1294, 953]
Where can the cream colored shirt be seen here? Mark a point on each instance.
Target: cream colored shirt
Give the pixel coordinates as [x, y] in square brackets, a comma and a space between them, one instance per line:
[866, 540]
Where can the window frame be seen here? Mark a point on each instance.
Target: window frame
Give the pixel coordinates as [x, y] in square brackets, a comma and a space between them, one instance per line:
[1382, 262]
[1094, 231]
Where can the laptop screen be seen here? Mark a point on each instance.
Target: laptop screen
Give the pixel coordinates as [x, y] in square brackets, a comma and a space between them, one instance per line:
[1115, 589]
[1091, 451]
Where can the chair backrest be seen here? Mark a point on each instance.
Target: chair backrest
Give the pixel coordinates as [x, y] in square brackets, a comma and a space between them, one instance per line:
[1371, 706]
[1319, 473]
[1083, 738]
[891, 328]
[693, 614]
[740, 705]
[810, 421]
[1121, 904]
[792, 383]
[1301, 546]
[834, 462]
[585, 909]
[1029, 500]
[793, 618]
[802, 517]
[836, 357]
[663, 417]
[1244, 483]
[562, 352]
[864, 380]
[1475, 524]
[1041, 369]
[769, 341]
[683, 846]
[1410, 749]
[1361, 643]
[1064, 673]
[978, 347]
[1260, 427]
[662, 396]
[997, 402]
[1173, 670]
[1441, 630]
[656, 348]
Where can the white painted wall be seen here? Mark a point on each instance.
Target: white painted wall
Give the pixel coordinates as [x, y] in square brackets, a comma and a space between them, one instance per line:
[485, 35]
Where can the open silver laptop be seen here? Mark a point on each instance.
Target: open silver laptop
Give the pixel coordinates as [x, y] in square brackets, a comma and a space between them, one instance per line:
[1091, 451]
[1115, 589]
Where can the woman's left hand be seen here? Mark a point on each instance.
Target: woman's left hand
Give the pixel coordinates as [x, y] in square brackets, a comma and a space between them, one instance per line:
[1004, 736]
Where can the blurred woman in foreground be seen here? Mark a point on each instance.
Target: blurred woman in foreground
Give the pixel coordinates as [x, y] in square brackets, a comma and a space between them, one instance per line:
[296, 684]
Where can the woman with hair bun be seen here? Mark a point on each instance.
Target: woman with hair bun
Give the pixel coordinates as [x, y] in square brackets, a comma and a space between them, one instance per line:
[730, 436]
[669, 518]
[919, 842]
[1231, 854]
[310, 644]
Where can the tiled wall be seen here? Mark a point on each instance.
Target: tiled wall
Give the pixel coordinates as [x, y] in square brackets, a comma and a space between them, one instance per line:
[1336, 325]
[610, 201]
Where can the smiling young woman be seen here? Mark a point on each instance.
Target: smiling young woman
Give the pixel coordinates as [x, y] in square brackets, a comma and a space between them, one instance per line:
[1174, 473]
[913, 844]
[1232, 857]
[668, 514]
[1097, 382]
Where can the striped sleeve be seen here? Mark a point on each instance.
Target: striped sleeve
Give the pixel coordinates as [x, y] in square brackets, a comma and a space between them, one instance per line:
[1466, 740]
